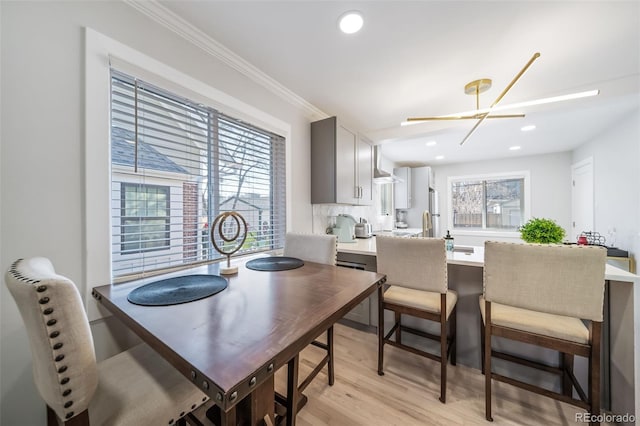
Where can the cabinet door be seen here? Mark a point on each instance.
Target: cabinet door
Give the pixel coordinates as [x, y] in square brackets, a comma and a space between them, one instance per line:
[365, 172]
[346, 188]
[402, 190]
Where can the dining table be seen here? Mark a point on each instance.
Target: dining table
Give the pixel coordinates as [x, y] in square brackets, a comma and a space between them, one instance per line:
[231, 344]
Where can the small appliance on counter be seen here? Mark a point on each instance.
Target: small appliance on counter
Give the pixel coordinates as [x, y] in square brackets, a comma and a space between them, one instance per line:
[363, 229]
[343, 227]
[401, 219]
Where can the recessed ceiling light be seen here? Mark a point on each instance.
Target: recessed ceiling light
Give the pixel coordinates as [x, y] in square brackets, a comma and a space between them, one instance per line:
[528, 128]
[440, 157]
[351, 22]
[514, 148]
[431, 143]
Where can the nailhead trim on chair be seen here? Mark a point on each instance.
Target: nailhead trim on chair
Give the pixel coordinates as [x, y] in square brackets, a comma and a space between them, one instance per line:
[44, 300]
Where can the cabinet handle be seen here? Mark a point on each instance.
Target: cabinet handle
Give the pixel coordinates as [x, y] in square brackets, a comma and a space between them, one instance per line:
[356, 191]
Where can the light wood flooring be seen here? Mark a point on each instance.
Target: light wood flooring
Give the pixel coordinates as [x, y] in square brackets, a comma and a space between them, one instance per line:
[408, 392]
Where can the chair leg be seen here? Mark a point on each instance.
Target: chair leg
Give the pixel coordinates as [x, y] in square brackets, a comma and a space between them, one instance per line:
[487, 360]
[566, 361]
[443, 348]
[398, 334]
[52, 419]
[330, 353]
[481, 345]
[454, 330]
[594, 369]
[380, 330]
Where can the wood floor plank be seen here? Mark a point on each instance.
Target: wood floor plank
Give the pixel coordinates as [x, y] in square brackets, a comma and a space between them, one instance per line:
[408, 392]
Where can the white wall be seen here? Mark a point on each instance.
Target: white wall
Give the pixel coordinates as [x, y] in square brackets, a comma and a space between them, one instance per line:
[616, 173]
[42, 152]
[550, 179]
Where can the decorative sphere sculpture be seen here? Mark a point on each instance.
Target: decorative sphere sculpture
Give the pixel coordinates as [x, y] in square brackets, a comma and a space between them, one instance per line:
[240, 229]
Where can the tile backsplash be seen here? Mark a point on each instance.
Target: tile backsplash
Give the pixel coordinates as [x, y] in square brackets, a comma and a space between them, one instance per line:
[322, 212]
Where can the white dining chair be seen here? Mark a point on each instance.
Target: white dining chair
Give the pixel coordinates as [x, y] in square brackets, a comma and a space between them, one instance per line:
[319, 249]
[135, 387]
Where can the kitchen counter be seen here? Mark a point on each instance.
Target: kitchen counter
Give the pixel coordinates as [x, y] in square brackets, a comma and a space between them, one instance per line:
[468, 256]
[462, 255]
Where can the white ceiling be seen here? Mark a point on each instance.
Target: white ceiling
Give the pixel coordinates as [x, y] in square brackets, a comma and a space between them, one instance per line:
[414, 58]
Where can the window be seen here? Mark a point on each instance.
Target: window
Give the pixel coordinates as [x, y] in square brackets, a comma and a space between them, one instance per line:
[492, 203]
[145, 218]
[176, 165]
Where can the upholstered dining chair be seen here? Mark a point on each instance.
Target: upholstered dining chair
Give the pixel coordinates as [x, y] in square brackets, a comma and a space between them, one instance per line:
[540, 294]
[319, 249]
[134, 387]
[416, 270]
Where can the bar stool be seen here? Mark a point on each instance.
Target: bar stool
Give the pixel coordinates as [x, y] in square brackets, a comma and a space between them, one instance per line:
[539, 294]
[416, 270]
[320, 249]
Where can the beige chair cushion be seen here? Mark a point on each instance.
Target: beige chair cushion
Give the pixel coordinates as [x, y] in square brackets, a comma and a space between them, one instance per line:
[418, 263]
[138, 387]
[311, 247]
[558, 326]
[420, 299]
[566, 280]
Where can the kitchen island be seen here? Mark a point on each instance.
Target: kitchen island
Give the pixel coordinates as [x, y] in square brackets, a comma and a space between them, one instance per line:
[621, 344]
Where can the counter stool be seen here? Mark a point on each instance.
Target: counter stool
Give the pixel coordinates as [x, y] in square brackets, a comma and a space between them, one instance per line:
[132, 388]
[540, 294]
[416, 270]
[320, 249]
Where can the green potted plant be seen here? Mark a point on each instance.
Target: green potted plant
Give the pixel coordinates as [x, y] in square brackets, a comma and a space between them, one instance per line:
[539, 230]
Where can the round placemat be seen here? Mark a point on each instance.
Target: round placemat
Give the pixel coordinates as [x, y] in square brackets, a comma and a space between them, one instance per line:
[173, 291]
[275, 263]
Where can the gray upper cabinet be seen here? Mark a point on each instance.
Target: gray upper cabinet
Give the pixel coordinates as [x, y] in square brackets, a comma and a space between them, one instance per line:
[341, 165]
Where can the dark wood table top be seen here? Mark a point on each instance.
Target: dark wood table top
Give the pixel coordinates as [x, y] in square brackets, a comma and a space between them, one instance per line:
[234, 340]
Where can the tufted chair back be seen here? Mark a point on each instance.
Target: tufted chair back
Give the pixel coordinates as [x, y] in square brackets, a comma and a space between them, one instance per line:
[311, 247]
[64, 363]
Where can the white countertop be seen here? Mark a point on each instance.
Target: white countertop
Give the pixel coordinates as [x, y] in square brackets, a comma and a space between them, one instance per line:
[367, 247]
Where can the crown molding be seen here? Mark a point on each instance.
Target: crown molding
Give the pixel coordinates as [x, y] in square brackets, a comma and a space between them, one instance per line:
[173, 22]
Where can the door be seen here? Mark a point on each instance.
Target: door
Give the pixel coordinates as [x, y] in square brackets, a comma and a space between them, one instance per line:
[582, 201]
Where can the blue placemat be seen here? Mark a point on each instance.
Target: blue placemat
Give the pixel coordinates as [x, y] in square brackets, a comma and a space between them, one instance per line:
[275, 263]
[173, 291]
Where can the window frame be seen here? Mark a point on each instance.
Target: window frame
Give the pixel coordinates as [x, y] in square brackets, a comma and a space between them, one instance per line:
[124, 217]
[100, 52]
[489, 232]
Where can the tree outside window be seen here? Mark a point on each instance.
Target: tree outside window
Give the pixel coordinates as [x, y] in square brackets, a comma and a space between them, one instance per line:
[488, 204]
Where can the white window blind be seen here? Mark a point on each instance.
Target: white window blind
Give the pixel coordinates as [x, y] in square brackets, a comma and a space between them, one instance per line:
[175, 165]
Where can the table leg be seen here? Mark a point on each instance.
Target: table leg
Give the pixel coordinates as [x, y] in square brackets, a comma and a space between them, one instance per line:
[258, 406]
[222, 418]
[292, 384]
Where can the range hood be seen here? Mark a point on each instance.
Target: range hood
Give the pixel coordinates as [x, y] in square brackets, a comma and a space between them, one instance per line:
[380, 176]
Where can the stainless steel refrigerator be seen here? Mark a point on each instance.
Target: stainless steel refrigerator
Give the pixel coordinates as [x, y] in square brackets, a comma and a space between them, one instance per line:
[424, 200]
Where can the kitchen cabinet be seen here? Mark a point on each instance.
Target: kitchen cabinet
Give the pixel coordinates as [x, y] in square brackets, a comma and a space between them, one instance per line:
[366, 312]
[402, 190]
[341, 164]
